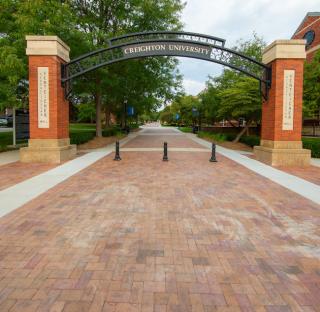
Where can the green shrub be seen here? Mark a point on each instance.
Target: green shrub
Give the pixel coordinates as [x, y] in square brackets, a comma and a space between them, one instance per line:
[230, 136]
[219, 137]
[312, 144]
[109, 132]
[81, 137]
[5, 140]
[251, 140]
[134, 126]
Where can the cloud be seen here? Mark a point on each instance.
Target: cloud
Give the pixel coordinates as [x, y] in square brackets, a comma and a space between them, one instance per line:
[238, 19]
[193, 87]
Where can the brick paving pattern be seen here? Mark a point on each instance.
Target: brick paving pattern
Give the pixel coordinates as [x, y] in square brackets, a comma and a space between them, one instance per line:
[311, 174]
[17, 172]
[146, 235]
[145, 141]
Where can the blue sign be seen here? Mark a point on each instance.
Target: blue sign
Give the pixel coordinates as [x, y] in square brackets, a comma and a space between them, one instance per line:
[130, 110]
[177, 116]
[195, 112]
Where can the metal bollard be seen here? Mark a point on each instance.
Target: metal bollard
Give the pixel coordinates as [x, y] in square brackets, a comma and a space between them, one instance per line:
[165, 152]
[213, 153]
[117, 155]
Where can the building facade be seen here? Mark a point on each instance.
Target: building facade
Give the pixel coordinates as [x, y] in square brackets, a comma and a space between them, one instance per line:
[309, 30]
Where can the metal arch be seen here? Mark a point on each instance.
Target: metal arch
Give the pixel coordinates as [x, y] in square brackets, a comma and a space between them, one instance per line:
[115, 53]
[169, 35]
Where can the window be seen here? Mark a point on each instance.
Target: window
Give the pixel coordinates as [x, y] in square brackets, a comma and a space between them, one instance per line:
[309, 36]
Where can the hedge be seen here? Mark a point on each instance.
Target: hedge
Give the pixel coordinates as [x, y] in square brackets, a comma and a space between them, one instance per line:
[251, 140]
[312, 144]
[109, 132]
[5, 140]
[81, 137]
[219, 137]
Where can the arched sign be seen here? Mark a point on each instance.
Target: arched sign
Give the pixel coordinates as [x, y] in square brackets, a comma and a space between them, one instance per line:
[183, 44]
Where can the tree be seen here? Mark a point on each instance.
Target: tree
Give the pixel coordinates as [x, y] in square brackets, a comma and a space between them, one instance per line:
[166, 116]
[210, 102]
[143, 83]
[233, 95]
[87, 26]
[311, 85]
[241, 100]
[21, 18]
[86, 112]
[182, 105]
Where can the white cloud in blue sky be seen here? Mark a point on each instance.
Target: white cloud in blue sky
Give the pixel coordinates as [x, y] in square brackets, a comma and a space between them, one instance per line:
[236, 19]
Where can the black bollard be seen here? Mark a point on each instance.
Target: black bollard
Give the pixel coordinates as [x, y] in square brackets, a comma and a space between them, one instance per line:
[213, 153]
[165, 152]
[117, 155]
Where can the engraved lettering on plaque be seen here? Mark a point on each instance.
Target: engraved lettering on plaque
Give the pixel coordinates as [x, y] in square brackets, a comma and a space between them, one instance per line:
[288, 100]
[43, 97]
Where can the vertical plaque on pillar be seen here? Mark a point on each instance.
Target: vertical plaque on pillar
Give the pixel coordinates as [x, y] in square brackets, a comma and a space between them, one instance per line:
[288, 100]
[43, 97]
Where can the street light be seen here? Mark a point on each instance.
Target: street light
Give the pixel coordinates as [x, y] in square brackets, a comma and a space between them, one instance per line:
[125, 114]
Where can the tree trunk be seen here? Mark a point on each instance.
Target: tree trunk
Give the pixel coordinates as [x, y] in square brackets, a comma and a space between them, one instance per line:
[242, 132]
[123, 120]
[107, 115]
[98, 103]
[247, 132]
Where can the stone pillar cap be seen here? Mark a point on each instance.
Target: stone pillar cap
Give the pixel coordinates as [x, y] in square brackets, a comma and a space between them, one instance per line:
[47, 45]
[284, 49]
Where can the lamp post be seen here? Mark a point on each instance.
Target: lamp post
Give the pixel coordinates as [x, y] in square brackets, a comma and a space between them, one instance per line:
[195, 114]
[125, 114]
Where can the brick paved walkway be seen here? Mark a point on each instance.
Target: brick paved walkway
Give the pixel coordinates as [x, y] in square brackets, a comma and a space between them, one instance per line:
[16, 172]
[146, 235]
[311, 173]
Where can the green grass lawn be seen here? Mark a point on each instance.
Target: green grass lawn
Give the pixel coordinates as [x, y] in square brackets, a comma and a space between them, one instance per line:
[185, 129]
[75, 127]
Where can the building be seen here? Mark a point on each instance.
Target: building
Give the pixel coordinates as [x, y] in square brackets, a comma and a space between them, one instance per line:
[309, 29]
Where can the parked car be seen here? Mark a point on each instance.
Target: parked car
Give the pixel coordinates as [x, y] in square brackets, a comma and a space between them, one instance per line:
[6, 121]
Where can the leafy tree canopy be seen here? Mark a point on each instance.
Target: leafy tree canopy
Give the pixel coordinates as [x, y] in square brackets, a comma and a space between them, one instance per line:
[311, 95]
[85, 26]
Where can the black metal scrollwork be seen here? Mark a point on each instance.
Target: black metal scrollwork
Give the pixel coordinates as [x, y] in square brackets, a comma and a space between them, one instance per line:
[136, 43]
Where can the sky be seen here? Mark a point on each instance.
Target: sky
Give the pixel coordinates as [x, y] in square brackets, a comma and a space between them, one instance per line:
[234, 20]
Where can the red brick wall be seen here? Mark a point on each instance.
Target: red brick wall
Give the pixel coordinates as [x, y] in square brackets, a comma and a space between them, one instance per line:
[311, 55]
[58, 106]
[272, 110]
[306, 27]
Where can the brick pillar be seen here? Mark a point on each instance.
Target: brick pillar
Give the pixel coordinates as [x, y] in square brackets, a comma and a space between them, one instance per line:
[282, 113]
[49, 111]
